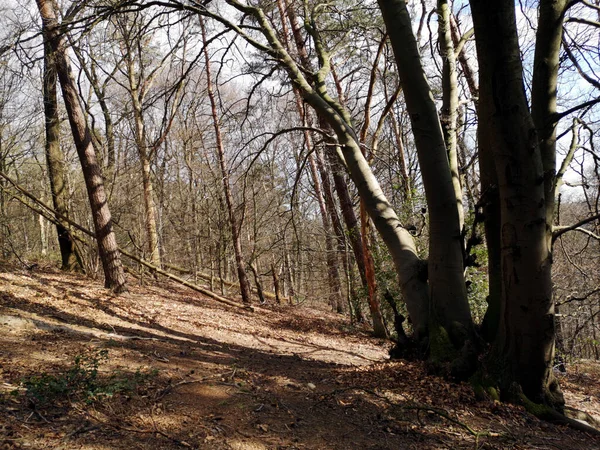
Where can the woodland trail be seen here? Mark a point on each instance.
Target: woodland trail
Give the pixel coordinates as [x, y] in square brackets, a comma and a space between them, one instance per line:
[217, 377]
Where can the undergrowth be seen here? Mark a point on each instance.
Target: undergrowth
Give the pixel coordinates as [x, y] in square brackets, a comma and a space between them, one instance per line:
[81, 382]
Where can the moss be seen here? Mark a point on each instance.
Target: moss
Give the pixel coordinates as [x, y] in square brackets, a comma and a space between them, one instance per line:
[440, 346]
[493, 392]
[483, 387]
[479, 391]
[540, 411]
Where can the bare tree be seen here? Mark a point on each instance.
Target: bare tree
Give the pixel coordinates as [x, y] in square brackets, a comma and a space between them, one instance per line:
[114, 277]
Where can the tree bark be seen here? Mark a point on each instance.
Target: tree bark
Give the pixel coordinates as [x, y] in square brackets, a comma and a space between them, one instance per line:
[114, 276]
[333, 273]
[71, 260]
[524, 346]
[489, 203]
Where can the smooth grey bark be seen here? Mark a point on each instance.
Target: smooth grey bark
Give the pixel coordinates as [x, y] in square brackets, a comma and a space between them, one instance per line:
[114, 276]
[448, 296]
[544, 92]
[488, 207]
[449, 113]
[71, 259]
[524, 345]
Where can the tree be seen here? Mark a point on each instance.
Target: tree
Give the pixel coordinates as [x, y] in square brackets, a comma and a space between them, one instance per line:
[71, 260]
[524, 345]
[234, 222]
[114, 277]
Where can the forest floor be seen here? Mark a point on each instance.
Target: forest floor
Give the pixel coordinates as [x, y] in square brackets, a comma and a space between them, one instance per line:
[163, 367]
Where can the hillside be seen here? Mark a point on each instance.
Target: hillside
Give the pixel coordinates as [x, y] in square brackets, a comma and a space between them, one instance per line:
[179, 370]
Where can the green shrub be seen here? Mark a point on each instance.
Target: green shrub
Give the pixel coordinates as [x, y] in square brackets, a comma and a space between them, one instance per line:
[81, 382]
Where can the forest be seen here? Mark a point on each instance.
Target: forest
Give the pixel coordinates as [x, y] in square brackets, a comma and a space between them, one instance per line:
[326, 200]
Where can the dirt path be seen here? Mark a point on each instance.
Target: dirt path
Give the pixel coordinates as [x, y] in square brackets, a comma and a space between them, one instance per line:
[224, 378]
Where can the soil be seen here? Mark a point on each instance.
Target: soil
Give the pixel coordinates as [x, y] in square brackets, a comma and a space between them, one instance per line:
[211, 376]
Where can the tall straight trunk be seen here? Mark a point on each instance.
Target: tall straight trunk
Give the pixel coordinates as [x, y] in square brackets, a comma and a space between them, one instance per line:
[144, 156]
[322, 188]
[348, 214]
[114, 276]
[333, 273]
[336, 224]
[524, 345]
[544, 92]
[71, 260]
[379, 327]
[448, 296]
[449, 117]
[233, 222]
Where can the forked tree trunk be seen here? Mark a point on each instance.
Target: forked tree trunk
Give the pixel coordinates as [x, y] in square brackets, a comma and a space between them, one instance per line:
[114, 276]
[71, 260]
[524, 346]
[233, 222]
[448, 296]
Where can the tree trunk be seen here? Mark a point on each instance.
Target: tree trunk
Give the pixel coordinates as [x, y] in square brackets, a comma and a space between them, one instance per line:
[144, 155]
[448, 296]
[524, 346]
[489, 203]
[358, 241]
[544, 92]
[233, 222]
[449, 114]
[333, 273]
[114, 276]
[348, 213]
[71, 260]
[259, 287]
[276, 289]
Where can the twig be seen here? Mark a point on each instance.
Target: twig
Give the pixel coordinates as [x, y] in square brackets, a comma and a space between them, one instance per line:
[439, 411]
[170, 387]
